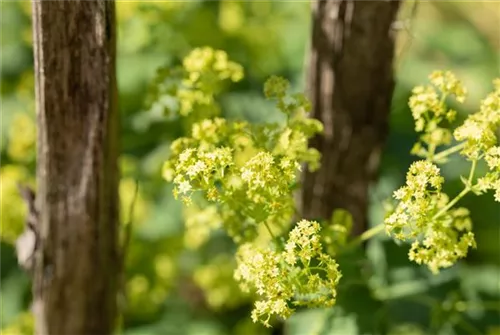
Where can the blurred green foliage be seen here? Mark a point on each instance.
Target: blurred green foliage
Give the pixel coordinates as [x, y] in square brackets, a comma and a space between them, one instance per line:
[172, 289]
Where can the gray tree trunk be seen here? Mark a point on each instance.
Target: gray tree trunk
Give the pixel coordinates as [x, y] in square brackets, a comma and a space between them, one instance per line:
[350, 83]
[77, 261]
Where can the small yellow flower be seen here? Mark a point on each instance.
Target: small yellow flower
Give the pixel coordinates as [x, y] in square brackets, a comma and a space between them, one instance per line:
[284, 279]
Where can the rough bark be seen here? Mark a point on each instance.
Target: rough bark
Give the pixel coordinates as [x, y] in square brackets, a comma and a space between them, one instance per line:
[350, 83]
[76, 262]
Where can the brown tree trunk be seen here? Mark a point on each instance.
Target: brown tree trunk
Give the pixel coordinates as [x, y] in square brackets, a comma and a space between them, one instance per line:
[350, 84]
[76, 261]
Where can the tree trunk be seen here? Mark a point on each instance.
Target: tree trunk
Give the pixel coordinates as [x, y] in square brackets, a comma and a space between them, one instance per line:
[350, 84]
[77, 260]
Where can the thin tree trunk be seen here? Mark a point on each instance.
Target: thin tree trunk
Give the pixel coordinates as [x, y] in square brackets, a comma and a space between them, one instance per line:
[76, 261]
[350, 84]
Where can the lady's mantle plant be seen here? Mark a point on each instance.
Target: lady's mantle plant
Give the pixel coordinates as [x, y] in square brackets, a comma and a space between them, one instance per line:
[246, 173]
[241, 176]
[441, 231]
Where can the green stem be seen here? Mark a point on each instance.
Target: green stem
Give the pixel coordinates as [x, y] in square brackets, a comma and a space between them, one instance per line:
[366, 235]
[432, 147]
[471, 174]
[460, 195]
[449, 151]
[270, 231]
[451, 203]
[316, 268]
[443, 98]
[432, 151]
[371, 232]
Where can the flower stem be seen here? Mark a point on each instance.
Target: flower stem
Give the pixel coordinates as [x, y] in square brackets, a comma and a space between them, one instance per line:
[472, 170]
[270, 231]
[432, 151]
[366, 235]
[316, 268]
[451, 203]
[462, 194]
[449, 151]
[371, 232]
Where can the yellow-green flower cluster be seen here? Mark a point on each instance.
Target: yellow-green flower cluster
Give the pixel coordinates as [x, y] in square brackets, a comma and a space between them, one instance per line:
[491, 180]
[248, 170]
[200, 170]
[208, 135]
[300, 275]
[292, 141]
[247, 173]
[492, 158]
[276, 87]
[238, 213]
[441, 232]
[448, 84]
[478, 130]
[212, 133]
[267, 181]
[479, 136]
[429, 111]
[190, 90]
[442, 235]
[205, 65]
[259, 191]
[448, 240]
[206, 69]
[411, 215]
